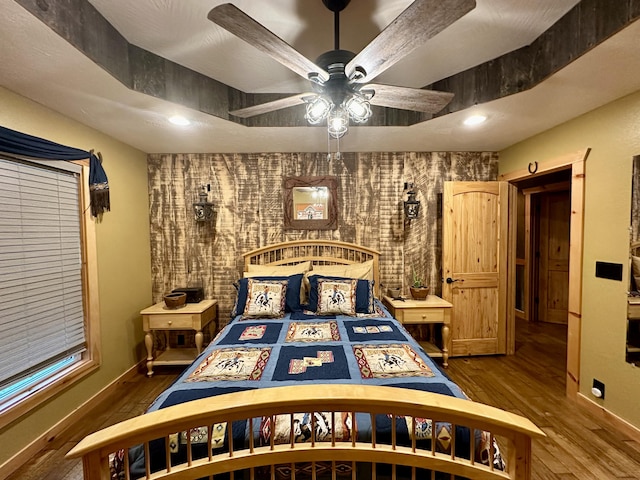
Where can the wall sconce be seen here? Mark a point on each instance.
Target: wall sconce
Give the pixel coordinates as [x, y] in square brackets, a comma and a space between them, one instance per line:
[411, 205]
[203, 209]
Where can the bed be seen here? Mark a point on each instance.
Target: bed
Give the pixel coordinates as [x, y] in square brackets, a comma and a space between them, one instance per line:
[312, 378]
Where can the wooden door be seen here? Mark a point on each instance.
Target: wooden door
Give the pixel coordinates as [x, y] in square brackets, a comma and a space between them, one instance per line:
[478, 254]
[553, 254]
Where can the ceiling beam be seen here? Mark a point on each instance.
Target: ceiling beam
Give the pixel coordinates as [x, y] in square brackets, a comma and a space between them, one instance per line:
[589, 23]
[585, 26]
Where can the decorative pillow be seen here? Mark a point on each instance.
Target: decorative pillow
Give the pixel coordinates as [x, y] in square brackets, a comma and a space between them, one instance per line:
[265, 298]
[292, 296]
[364, 293]
[336, 296]
[362, 270]
[281, 271]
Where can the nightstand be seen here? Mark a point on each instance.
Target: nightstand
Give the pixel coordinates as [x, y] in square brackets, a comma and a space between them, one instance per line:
[190, 316]
[431, 311]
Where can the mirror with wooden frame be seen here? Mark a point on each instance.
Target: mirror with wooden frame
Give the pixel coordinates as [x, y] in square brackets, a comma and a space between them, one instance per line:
[310, 203]
[633, 299]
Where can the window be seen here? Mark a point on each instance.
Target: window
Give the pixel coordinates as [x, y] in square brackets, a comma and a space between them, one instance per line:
[44, 311]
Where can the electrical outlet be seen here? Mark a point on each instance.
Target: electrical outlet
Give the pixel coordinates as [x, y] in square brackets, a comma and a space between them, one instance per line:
[597, 389]
[180, 339]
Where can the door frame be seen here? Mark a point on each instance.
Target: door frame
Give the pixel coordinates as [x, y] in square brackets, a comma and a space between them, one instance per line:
[531, 239]
[576, 161]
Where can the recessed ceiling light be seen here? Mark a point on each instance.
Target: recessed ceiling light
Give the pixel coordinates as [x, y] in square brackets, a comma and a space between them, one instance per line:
[475, 120]
[179, 120]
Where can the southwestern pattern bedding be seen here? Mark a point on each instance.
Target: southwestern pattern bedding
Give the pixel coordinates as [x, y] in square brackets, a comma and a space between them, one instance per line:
[311, 347]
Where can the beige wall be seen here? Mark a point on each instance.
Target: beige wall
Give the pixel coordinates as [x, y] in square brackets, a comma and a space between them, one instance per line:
[613, 134]
[124, 266]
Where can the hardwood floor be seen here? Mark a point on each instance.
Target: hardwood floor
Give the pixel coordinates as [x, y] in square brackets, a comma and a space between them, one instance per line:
[579, 445]
[132, 399]
[531, 383]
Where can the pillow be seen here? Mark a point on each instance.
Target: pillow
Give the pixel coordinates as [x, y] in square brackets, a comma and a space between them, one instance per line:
[364, 293]
[292, 296]
[265, 298]
[355, 270]
[277, 270]
[362, 270]
[336, 296]
[281, 271]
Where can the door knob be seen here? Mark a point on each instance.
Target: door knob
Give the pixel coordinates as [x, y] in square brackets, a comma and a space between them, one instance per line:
[451, 280]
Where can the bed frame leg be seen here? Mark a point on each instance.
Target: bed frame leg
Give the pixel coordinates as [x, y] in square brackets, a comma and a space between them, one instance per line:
[95, 468]
[521, 458]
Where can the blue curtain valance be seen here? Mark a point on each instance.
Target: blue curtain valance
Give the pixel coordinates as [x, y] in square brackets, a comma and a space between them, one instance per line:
[12, 141]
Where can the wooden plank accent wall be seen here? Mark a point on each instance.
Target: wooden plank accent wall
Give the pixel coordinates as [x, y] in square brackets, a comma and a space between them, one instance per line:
[247, 192]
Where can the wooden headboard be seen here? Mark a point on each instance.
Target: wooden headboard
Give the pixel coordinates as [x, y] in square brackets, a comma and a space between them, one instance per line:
[318, 252]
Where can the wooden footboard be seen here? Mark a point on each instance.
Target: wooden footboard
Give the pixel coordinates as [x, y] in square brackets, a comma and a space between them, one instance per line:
[513, 434]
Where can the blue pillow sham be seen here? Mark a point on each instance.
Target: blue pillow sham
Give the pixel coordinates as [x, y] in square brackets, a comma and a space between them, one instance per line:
[292, 295]
[364, 293]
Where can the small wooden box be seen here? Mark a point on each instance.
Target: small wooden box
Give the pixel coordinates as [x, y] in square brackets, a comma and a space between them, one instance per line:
[194, 294]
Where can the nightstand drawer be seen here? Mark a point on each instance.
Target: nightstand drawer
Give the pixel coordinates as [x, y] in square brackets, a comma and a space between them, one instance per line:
[428, 315]
[169, 322]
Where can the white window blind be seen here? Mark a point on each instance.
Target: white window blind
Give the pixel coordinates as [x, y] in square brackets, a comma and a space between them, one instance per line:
[41, 305]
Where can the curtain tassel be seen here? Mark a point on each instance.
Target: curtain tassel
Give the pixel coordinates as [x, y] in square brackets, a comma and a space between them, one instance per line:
[98, 186]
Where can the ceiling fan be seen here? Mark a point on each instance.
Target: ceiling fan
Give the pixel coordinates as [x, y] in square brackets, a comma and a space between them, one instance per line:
[340, 88]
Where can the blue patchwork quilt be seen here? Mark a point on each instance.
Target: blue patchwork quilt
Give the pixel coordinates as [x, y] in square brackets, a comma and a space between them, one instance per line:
[301, 348]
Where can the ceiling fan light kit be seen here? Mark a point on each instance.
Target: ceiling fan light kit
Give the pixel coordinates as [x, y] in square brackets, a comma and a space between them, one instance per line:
[338, 122]
[318, 108]
[359, 108]
[338, 99]
[339, 91]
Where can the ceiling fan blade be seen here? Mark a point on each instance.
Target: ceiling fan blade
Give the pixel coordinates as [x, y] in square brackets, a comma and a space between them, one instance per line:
[235, 21]
[271, 106]
[405, 98]
[420, 21]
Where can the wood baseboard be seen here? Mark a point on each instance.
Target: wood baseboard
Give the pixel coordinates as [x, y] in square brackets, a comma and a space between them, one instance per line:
[628, 429]
[43, 440]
